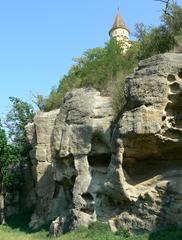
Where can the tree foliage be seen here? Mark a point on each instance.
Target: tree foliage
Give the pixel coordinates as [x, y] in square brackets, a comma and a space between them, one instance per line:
[14, 149]
[155, 40]
[97, 68]
[10, 156]
[17, 118]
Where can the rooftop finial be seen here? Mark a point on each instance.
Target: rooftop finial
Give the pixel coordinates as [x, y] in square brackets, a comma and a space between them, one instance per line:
[118, 9]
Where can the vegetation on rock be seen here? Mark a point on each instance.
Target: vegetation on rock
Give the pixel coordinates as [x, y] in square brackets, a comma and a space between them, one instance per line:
[98, 68]
[106, 68]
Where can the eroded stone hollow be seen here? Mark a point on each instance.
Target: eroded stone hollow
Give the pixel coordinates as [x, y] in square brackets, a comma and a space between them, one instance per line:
[174, 106]
[89, 207]
[99, 162]
[180, 74]
[139, 171]
[150, 147]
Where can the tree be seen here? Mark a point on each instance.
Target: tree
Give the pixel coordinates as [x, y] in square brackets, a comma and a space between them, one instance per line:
[17, 118]
[3, 144]
[155, 40]
[39, 101]
[173, 20]
[9, 157]
[14, 150]
[166, 3]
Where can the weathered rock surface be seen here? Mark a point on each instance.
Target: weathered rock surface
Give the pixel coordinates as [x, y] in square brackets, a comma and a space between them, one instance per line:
[70, 158]
[39, 135]
[127, 174]
[147, 143]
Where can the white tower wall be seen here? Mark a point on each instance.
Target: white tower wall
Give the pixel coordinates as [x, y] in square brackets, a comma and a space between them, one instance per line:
[119, 34]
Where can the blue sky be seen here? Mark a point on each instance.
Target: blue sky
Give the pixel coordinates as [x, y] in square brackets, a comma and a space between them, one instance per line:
[39, 38]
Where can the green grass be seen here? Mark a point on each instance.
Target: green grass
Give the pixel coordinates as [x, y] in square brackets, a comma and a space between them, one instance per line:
[7, 233]
[101, 233]
[16, 229]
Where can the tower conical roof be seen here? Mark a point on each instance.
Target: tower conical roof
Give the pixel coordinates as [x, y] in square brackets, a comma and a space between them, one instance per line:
[118, 23]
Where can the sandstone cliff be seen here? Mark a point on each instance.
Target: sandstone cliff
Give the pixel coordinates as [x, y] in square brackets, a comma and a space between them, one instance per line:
[70, 157]
[87, 168]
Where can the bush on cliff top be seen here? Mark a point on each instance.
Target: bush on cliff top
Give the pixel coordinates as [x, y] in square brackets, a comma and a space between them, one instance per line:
[99, 68]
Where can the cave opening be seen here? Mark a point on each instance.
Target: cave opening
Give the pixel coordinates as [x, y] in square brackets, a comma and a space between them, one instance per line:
[99, 161]
[98, 164]
[87, 197]
[67, 185]
[57, 189]
[140, 170]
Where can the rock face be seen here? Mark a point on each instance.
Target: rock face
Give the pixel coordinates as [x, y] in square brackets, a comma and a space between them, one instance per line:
[148, 146]
[70, 158]
[39, 135]
[127, 174]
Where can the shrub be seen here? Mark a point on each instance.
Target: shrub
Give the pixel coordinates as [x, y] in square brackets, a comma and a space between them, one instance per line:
[98, 68]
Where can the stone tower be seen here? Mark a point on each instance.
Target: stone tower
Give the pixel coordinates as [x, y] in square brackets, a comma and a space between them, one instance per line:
[120, 32]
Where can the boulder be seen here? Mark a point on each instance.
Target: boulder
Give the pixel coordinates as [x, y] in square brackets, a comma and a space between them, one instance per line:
[149, 152]
[70, 157]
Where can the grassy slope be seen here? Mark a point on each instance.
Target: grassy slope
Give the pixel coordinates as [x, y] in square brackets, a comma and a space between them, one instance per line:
[17, 231]
[8, 233]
